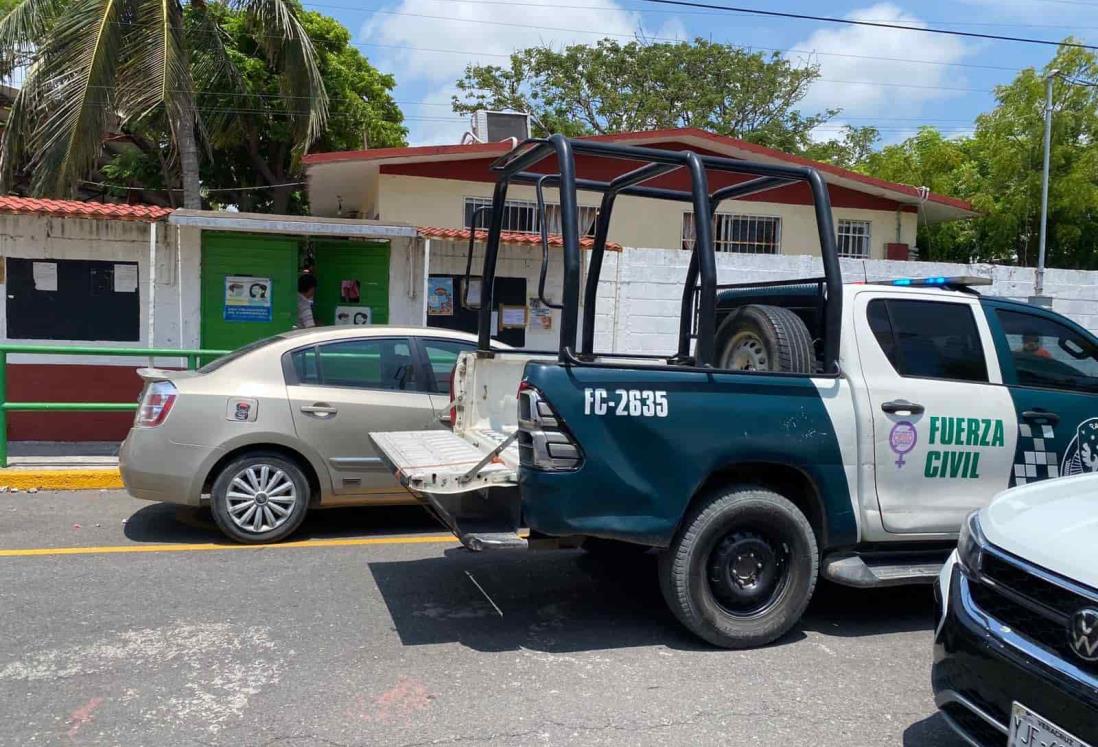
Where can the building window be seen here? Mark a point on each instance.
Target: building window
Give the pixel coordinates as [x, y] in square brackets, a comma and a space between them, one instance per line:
[745, 234]
[853, 238]
[522, 216]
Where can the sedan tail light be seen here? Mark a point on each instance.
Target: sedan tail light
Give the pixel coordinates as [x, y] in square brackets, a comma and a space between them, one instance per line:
[156, 403]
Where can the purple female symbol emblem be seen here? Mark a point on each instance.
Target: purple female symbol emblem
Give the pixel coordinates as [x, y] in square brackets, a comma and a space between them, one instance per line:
[902, 440]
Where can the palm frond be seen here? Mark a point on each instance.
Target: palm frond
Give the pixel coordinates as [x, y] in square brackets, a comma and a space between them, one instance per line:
[154, 67]
[288, 46]
[74, 94]
[24, 28]
[213, 70]
[24, 114]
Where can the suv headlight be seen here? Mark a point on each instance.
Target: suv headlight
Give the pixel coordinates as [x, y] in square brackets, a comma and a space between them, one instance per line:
[970, 545]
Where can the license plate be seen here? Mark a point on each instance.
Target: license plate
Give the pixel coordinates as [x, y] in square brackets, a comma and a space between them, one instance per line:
[1027, 729]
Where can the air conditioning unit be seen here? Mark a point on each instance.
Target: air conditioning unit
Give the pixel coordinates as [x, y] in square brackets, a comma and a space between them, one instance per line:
[490, 127]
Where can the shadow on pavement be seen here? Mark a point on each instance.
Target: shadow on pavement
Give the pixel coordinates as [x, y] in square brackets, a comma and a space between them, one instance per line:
[167, 522]
[570, 601]
[932, 731]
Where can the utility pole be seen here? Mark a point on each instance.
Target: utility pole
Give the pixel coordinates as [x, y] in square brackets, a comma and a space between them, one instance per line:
[1039, 279]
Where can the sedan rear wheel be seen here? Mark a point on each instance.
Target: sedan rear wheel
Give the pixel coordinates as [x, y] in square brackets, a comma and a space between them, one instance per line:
[260, 497]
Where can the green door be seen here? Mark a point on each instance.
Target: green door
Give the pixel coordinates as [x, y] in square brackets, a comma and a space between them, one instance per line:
[352, 277]
[249, 288]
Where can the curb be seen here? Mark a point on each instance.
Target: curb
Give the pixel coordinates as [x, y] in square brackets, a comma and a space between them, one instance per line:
[61, 479]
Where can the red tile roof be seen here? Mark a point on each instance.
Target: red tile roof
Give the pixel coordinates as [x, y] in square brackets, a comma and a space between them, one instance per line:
[507, 237]
[76, 209]
[445, 152]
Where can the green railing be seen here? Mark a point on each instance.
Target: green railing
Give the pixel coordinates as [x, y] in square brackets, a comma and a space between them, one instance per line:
[193, 357]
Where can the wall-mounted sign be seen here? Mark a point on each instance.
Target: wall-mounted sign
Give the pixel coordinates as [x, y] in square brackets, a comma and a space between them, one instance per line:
[352, 315]
[247, 299]
[470, 293]
[512, 317]
[45, 276]
[440, 295]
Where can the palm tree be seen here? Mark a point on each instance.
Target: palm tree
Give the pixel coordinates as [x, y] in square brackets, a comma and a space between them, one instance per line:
[91, 64]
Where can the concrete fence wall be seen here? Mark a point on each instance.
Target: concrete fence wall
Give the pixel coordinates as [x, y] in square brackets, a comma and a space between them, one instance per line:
[640, 289]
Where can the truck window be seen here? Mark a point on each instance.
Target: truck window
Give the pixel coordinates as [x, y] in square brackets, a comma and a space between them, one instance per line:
[1049, 354]
[929, 339]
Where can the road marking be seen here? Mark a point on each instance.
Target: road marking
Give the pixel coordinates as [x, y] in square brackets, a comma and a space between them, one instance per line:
[82, 478]
[420, 539]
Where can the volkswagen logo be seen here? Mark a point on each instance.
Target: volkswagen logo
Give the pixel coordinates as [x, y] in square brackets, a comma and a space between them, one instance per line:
[1083, 635]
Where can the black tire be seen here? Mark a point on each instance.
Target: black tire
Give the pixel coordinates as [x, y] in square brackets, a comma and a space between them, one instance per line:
[765, 338]
[722, 541]
[226, 503]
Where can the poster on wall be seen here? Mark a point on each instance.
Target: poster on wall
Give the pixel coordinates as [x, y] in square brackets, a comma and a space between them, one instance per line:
[440, 296]
[350, 291]
[352, 315]
[247, 299]
[45, 276]
[541, 316]
[512, 317]
[470, 293]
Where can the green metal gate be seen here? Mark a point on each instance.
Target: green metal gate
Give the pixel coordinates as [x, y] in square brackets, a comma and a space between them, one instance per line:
[346, 270]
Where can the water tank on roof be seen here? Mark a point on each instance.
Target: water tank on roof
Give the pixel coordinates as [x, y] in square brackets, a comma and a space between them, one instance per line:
[489, 127]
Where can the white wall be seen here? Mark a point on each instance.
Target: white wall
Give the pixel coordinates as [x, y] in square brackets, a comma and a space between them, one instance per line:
[46, 237]
[640, 289]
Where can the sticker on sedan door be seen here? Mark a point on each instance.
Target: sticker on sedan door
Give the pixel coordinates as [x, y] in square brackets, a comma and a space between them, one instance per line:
[242, 410]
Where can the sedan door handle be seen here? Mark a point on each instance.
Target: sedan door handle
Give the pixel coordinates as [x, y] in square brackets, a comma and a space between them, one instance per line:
[1049, 417]
[902, 407]
[320, 408]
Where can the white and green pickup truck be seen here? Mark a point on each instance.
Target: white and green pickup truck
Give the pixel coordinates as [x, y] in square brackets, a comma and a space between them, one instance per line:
[805, 428]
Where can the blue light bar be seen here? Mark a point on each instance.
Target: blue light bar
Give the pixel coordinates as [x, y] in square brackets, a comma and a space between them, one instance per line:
[940, 281]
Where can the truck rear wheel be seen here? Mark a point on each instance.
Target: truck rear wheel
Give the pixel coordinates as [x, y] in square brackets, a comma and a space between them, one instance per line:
[741, 569]
[758, 337]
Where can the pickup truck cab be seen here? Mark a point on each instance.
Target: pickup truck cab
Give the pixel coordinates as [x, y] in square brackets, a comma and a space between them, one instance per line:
[884, 414]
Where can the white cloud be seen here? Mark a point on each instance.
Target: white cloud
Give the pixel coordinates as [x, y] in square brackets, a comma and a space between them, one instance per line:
[486, 33]
[861, 83]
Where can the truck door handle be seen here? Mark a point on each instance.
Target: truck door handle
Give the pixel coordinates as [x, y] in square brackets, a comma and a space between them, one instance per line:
[1049, 417]
[320, 409]
[902, 407]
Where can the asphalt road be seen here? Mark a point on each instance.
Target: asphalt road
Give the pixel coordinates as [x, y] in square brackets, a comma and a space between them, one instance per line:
[131, 624]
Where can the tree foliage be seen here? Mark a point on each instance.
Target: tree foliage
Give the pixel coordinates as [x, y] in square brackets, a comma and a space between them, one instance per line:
[93, 63]
[614, 87]
[998, 168]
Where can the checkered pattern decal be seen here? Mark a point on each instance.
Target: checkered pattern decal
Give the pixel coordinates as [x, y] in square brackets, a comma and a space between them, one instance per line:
[1035, 447]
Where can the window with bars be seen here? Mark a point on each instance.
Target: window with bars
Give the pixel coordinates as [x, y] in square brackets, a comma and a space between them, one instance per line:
[522, 216]
[853, 238]
[746, 234]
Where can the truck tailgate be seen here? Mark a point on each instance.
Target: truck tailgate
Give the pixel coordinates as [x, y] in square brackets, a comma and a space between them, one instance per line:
[442, 462]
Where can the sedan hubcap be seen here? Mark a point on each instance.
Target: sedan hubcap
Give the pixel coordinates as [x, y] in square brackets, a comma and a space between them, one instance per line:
[261, 498]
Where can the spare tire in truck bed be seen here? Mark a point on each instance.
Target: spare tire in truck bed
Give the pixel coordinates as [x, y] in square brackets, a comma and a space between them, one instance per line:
[757, 337]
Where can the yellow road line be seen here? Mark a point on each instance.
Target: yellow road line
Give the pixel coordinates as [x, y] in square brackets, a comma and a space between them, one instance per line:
[420, 539]
[62, 479]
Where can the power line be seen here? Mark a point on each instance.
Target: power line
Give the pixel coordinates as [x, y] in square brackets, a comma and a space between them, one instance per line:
[872, 24]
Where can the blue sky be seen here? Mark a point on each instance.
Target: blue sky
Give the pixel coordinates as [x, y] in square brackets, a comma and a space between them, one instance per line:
[894, 80]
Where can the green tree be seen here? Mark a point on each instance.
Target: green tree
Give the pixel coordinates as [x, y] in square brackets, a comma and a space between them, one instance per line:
[613, 87]
[998, 169]
[253, 165]
[137, 61]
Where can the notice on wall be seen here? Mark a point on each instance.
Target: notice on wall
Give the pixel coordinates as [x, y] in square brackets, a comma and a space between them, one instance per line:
[512, 317]
[352, 315]
[470, 293]
[541, 316]
[247, 299]
[125, 278]
[440, 296]
[45, 276]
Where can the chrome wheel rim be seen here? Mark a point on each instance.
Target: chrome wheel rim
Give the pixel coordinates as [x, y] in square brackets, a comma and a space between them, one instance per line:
[261, 498]
[745, 352]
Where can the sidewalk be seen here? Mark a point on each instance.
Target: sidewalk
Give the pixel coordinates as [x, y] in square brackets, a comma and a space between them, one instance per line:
[59, 465]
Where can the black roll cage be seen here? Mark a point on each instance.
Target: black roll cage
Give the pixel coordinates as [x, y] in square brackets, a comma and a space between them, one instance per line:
[701, 276]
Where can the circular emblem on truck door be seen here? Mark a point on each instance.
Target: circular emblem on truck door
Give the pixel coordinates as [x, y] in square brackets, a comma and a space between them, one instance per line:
[1083, 635]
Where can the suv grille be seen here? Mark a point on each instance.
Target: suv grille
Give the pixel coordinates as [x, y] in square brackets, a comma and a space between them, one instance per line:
[1031, 605]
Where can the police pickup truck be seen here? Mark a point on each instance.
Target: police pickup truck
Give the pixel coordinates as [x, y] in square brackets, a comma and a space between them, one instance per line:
[803, 428]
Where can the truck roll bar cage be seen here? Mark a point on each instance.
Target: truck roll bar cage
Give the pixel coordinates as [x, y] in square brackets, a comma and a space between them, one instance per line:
[701, 276]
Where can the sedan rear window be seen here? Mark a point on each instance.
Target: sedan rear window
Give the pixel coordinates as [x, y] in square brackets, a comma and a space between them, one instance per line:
[240, 352]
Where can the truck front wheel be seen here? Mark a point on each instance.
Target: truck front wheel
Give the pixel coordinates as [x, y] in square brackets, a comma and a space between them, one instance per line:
[741, 569]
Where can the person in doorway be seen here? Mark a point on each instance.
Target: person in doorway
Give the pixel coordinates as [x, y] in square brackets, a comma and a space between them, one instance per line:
[306, 291]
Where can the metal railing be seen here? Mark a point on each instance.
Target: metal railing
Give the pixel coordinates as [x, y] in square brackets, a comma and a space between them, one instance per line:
[192, 357]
